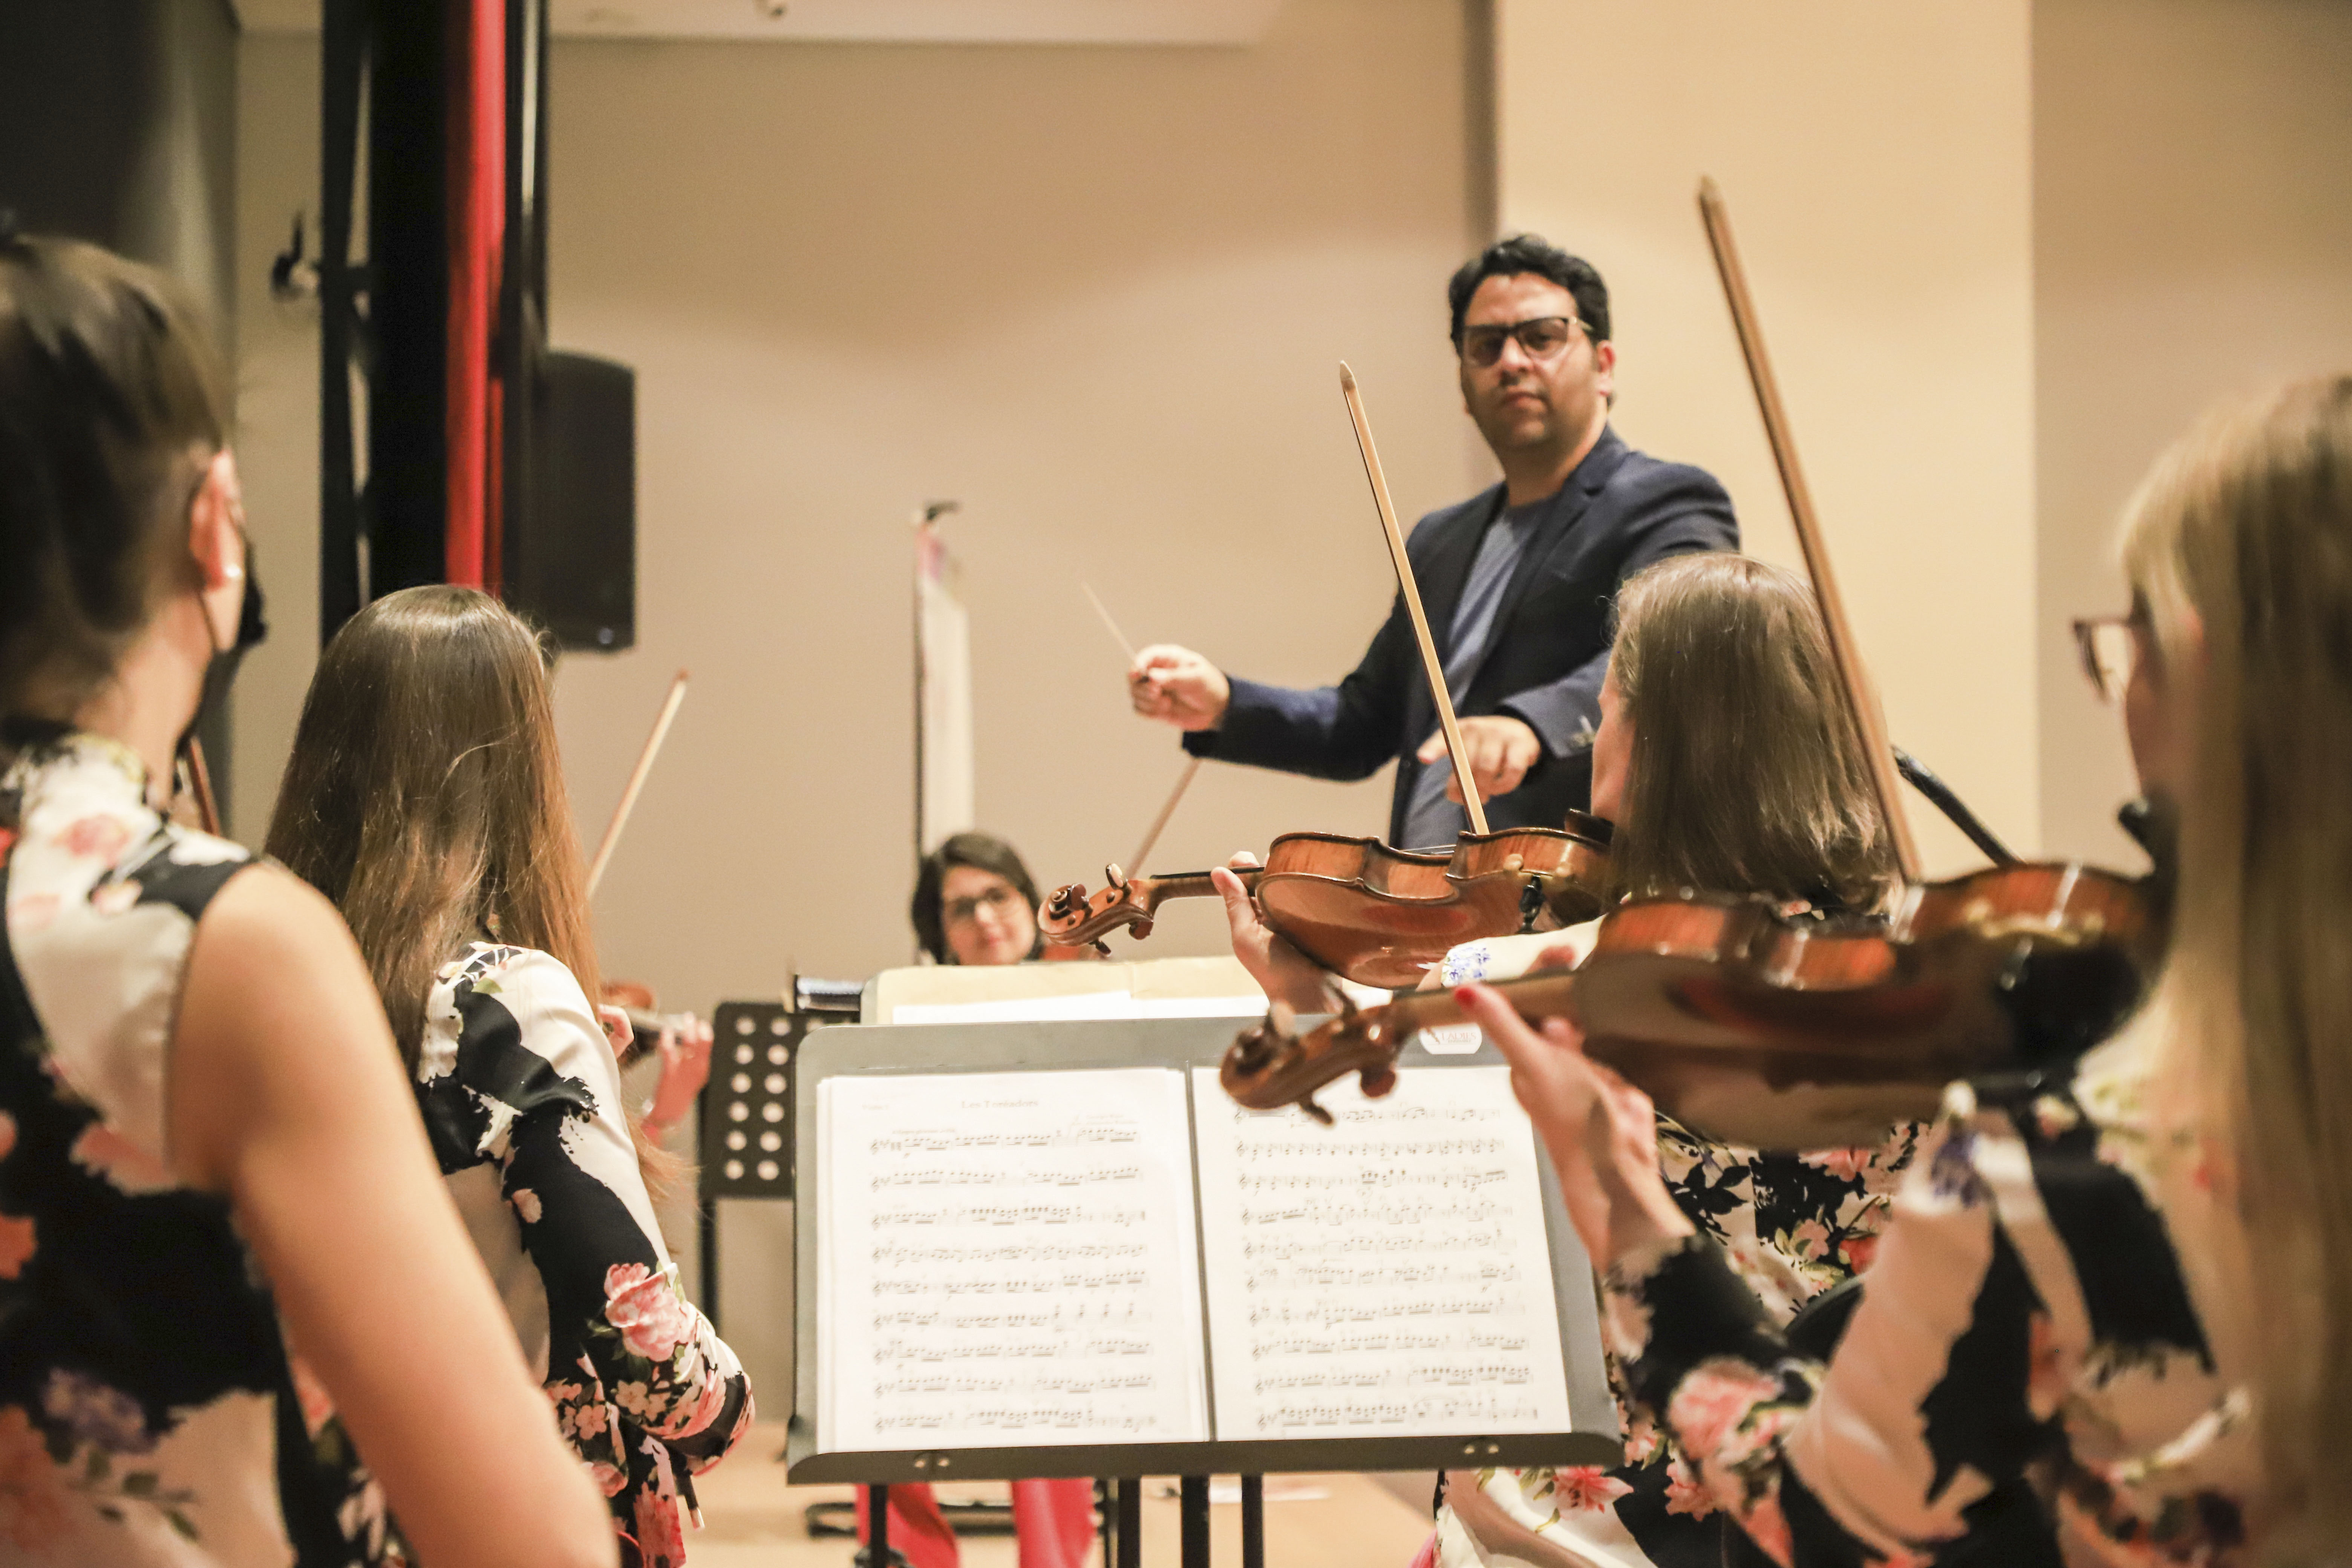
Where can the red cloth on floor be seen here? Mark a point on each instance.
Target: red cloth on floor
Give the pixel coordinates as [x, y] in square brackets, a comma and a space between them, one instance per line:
[1055, 1523]
[917, 1534]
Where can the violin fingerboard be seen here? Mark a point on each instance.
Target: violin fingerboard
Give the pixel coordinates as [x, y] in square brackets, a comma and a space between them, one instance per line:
[747, 1106]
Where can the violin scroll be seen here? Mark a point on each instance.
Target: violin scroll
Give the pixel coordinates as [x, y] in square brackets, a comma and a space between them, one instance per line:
[1070, 917]
[1270, 1065]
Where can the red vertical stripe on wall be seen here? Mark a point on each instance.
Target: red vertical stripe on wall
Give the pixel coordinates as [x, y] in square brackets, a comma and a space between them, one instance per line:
[477, 245]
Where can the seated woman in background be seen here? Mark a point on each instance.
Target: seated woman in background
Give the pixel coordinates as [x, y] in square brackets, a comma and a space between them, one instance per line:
[159, 1252]
[1727, 762]
[2133, 1289]
[426, 797]
[975, 903]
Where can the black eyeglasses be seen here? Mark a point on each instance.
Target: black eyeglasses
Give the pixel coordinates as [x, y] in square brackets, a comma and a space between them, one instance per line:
[996, 902]
[2109, 647]
[1540, 336]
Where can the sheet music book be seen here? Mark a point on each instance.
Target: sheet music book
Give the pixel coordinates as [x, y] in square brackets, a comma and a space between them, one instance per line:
[1011, 1259]
[1388, 1274]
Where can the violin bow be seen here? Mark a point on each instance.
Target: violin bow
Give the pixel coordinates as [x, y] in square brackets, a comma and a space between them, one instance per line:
[1184, 782]
[611, 839]
[1411, 591]
[1852, 676]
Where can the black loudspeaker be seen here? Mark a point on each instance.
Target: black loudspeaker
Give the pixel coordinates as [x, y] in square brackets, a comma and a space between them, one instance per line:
[571, 550]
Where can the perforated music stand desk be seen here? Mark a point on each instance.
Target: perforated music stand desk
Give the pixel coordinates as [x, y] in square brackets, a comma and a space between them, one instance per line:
[1181, 1044]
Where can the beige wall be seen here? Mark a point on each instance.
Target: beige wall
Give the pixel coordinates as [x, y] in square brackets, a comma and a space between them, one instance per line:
[1097, 294]
[1877, 161]
[2192, 241]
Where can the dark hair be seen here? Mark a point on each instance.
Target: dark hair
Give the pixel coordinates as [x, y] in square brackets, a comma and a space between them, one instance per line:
[111, 401]
[983, 852]
[1532, 253]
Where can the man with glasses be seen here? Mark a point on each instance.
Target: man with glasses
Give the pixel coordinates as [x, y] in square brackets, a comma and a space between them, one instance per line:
[1518, 581]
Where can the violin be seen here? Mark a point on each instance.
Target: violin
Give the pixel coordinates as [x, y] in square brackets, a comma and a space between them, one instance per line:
[1772, 1027]
[1376, 915]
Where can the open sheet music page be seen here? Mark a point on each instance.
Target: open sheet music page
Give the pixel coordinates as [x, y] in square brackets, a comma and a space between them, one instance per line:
[1385, 1276]
[1009, 1259]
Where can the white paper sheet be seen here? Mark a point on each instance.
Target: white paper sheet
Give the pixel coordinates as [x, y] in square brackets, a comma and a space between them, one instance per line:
[1389, 1275]
[1009, 1259]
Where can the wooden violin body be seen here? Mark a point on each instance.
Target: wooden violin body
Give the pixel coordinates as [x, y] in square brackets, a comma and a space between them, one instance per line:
[1774, 1032]
[1376, 915]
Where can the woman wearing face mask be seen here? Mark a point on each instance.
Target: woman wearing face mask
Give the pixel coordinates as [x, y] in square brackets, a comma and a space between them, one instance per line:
[2131, 1289]
[195, 1090]
[976, 904]
[424, 796]
[1726, 761]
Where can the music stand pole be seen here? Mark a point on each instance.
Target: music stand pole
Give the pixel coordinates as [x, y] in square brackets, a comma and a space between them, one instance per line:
[1253, 1521]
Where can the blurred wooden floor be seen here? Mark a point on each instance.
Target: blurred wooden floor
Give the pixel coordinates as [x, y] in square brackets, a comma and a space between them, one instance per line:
[752, 1519]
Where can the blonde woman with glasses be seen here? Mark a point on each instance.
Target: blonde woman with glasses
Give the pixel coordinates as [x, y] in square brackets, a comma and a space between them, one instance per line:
[2133, 1290]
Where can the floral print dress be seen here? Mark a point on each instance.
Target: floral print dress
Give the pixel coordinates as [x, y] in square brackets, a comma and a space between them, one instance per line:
[522, 1098]
[1789, 1225]
[148, 1411]
[2045, 1366]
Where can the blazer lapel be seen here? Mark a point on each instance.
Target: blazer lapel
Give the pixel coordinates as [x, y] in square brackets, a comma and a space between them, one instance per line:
[1567, 507]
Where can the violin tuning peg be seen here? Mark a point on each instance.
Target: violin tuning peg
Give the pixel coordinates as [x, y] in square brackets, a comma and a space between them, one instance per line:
[1306, 1103]
[1114, 875]
[1102, 949]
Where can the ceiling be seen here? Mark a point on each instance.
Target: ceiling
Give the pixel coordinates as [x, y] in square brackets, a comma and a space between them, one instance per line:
[872, 21]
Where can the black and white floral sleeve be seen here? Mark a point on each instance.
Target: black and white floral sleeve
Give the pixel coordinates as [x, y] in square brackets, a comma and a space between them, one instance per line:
[2025, 1365]
[516, 1073]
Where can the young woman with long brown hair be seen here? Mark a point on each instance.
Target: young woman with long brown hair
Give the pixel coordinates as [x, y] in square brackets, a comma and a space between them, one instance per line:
[1727, 762]
[206, 1151]
[426, 797]
[2133, 1290]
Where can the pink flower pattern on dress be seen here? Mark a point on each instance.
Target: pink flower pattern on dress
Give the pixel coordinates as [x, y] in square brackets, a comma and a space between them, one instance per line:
[646, 1310]
[99, 838]
[16, 1245]
[1714, 1401]
[1588, 1488]
[1685, 1496]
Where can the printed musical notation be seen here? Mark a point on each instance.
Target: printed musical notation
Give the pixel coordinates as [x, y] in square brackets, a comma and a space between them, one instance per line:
[1388, 1275]
[1010, 1258]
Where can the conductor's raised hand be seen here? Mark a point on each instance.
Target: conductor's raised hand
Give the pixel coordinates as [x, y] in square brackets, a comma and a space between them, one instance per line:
[1601, 1131]
[1501, 749]
[1177, 685]
[1281, 971]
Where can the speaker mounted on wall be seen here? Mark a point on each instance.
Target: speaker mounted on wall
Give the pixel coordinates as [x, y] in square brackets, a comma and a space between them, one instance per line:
[571, 552]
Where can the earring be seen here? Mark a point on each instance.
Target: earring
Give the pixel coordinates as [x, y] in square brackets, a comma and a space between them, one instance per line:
[233, 573]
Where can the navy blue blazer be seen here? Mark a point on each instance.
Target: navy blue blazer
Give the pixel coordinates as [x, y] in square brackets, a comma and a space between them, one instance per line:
[1618, 511]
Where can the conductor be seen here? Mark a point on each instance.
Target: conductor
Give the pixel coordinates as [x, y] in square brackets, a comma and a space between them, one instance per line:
[1518, 581]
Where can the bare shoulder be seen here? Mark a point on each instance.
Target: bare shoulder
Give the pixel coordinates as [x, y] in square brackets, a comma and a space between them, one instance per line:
[267, 920]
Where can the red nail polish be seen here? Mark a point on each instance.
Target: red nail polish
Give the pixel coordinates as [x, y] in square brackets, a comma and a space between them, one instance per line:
[1462, 996]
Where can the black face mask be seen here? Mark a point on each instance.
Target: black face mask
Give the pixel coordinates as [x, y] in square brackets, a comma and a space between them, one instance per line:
[221, 672]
